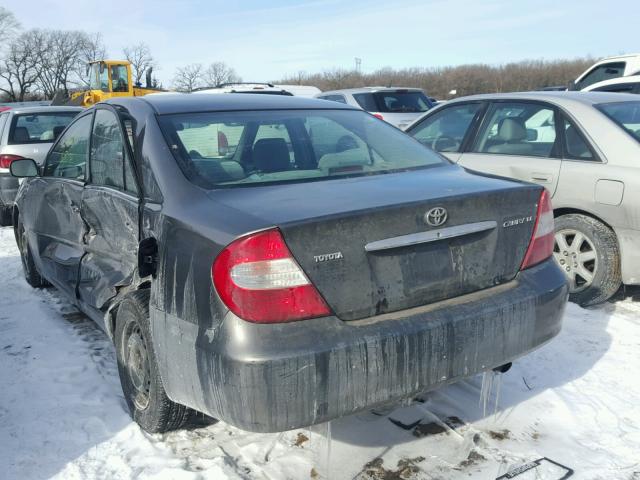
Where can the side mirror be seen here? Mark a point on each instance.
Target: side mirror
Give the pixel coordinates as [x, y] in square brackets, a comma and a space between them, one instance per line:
[25, 167]
[532, 134]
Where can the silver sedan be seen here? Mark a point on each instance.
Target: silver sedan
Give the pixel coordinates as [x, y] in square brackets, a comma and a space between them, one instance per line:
[583, 147]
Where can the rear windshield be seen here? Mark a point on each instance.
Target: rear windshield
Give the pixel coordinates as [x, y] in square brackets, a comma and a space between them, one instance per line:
[38, 127]
[228, 149]
[625, 114]
[394, 102]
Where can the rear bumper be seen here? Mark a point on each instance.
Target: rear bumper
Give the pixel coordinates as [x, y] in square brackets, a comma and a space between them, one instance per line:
[269, 378]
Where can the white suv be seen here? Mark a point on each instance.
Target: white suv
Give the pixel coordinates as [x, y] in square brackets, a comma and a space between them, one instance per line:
[398, 106]
[607, 69]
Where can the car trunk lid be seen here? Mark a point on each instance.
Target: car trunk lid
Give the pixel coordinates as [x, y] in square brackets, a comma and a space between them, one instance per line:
[370, 247]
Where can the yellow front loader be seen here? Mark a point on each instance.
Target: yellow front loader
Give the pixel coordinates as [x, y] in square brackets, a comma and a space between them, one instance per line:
[107, 79]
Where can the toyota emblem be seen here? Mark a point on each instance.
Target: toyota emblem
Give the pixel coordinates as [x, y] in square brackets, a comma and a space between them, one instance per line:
[436, 216]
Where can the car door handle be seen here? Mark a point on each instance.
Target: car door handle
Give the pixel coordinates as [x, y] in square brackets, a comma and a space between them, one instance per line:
[541, 177]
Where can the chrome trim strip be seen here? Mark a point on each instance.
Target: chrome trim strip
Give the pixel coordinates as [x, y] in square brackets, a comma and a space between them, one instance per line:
[430, 236]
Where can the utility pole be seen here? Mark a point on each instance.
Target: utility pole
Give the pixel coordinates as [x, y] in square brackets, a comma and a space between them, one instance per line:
[358, 64]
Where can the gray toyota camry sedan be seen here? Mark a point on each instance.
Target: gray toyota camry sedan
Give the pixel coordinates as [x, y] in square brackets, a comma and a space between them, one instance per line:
[277, 262]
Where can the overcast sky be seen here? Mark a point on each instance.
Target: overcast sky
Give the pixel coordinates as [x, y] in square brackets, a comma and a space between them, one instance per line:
[269, 40]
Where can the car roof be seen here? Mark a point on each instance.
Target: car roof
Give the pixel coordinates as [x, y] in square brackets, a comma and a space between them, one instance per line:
[186, 103]
[558, 98]
[371, 90]
[49, 109]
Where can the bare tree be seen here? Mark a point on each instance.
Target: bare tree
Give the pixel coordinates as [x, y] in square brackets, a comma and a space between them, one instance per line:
[59, 54]
[93, 48]
[188, 78]
[218, 73]
[141, 60]
[18, 68]
[8, 25]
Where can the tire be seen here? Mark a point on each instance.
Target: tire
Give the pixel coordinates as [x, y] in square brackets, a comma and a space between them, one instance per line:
[587, 252]
[31, 273]
[138, 368]
[6, 216]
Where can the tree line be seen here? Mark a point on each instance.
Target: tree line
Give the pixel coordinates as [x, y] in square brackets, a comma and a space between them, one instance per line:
[442, 82]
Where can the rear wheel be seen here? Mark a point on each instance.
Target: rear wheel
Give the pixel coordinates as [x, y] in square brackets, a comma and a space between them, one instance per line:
[6, 214]
[31, 273]
[141, 383]
[587, 252]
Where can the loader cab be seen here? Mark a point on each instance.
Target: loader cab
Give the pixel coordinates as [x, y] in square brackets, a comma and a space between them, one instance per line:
[110, 78]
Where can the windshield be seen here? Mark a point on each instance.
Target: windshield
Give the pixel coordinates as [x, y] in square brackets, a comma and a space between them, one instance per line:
[98, 77]
[625, 114]
[226, 149]
[394, 101]
[39, 127]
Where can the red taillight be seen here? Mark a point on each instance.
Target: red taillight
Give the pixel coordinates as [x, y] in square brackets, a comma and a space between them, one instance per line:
[259, 280]
[378, 115]
[6, 159]
[541, 245]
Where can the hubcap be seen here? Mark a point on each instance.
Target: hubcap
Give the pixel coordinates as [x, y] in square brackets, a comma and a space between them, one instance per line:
[137, 362]
[577, 258]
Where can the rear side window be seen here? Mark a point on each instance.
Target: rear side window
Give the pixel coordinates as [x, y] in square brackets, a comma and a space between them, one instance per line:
[575, 145]
[68, 159]
[625, 114]
[38, 127]
[334, 98]
[445, 130]
[366, 101]
[3, 120]
[603, 72]
[109, 164]
[522, 129]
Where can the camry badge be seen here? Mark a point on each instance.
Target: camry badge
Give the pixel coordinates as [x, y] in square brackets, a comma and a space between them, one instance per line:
[436, 216]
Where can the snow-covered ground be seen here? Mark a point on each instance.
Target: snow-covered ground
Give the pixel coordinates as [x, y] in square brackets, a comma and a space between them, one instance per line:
[576, 401]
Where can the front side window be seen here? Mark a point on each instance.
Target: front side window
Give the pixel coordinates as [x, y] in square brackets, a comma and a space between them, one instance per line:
[68, 158]
[38, 127]
[119, 78]
[109, 162]
[625, 114]
[250, 148]
[523, 129]
[602, 72]
[445, 130]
